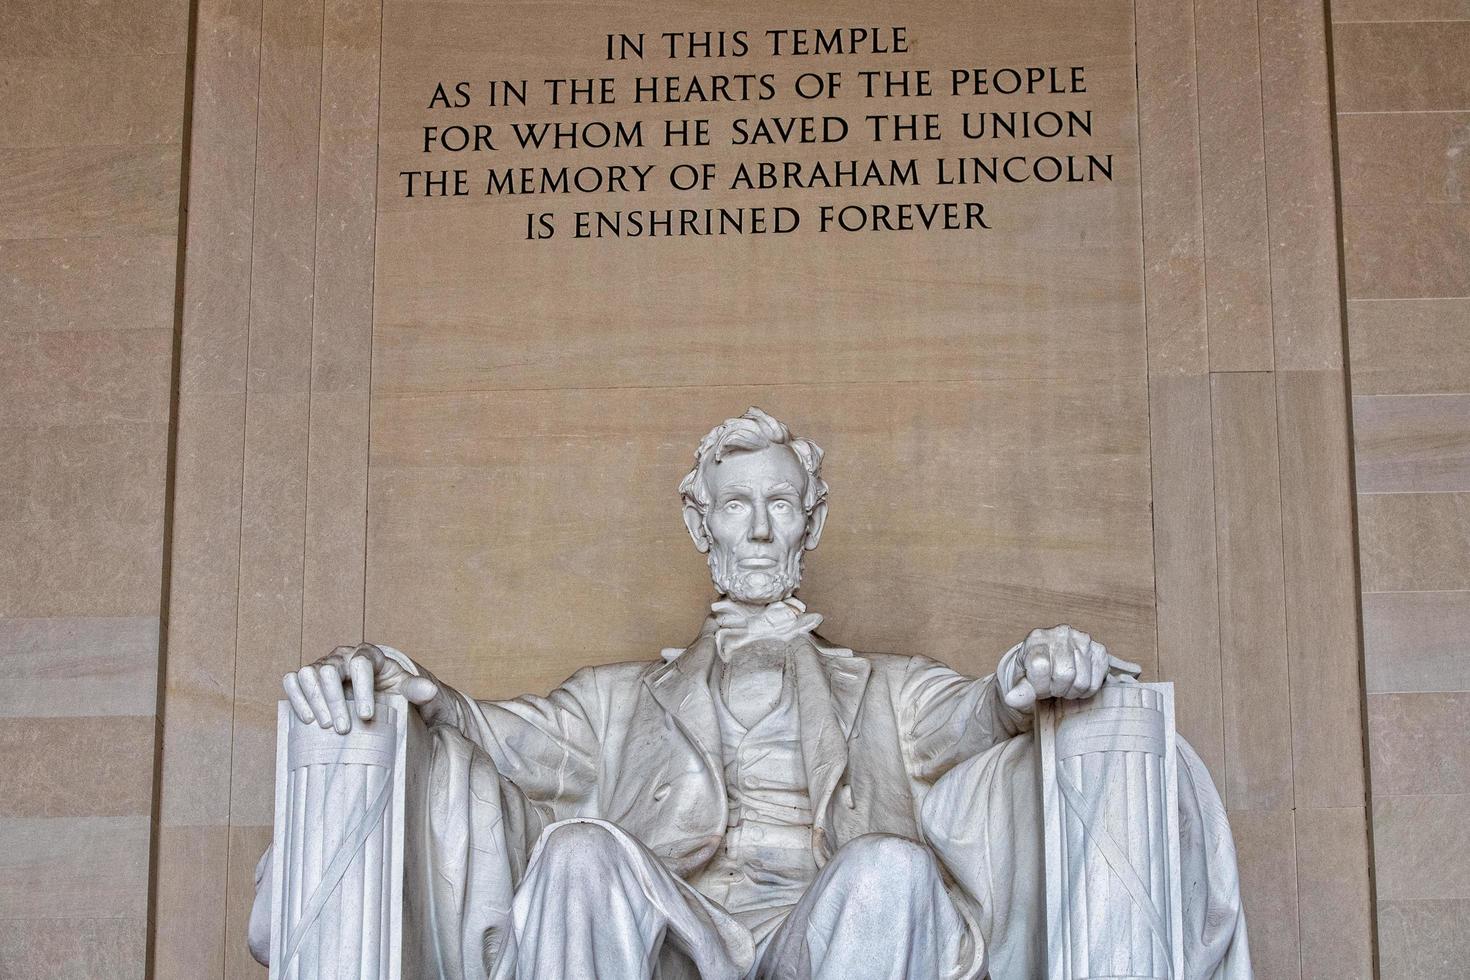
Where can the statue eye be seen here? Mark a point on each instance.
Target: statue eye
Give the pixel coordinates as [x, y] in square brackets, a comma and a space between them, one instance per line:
[734, 507]
[781, 506]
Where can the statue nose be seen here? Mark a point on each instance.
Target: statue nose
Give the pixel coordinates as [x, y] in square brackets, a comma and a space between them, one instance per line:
[760, 527]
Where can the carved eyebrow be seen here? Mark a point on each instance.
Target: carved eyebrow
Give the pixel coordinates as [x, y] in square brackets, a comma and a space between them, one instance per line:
[784, 487]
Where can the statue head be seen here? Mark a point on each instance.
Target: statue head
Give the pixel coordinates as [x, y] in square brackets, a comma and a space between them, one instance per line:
[754, 502]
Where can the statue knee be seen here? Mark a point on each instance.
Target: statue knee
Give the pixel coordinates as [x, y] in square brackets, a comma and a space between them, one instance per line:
[884, 863]
[578, 848]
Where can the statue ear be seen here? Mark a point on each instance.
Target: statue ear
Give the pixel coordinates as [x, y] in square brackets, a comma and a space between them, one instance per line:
[694, 521]
[815, 521]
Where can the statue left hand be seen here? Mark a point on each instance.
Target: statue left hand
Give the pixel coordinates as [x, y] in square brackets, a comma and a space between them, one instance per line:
[1060, 662]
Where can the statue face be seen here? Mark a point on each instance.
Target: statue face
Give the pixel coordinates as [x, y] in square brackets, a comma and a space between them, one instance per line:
[756, 528]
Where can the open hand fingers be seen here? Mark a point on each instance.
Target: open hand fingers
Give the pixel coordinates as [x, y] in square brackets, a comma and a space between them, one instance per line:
[311, 686]
[298, 699]
[363, 672]
[331, 683]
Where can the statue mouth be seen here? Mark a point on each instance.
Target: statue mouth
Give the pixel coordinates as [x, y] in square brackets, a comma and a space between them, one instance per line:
[757, 563]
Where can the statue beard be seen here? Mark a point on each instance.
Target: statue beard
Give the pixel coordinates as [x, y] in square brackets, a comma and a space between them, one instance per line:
[760, 586]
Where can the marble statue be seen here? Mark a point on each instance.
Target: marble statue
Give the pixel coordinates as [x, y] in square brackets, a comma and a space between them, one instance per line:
[764, 803]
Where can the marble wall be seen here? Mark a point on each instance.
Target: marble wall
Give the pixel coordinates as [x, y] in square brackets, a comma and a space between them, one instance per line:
[349, 462]
[92, 123]
[1403, 123]
[330, 481]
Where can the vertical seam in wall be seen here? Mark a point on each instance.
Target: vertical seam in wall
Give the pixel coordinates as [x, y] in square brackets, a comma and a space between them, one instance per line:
[155, 821]
[1204, 255]
[1296, 852]
[1219, 604]
[1286, 626]
[1352, 482]
[1266, 203]
[244, 460]
[316, 243]
[367, 468]
[1204, 235]
[1148, 392]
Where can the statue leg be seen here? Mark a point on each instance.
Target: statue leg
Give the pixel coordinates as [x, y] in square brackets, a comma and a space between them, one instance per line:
[596, 903]
[879, 911]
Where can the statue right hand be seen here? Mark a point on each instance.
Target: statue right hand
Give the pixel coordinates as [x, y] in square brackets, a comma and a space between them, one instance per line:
[319, 692]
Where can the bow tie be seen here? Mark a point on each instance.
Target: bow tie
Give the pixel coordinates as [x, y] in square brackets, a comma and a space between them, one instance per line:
[739, 624]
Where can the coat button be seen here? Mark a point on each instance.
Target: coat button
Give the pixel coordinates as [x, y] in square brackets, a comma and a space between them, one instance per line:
[660, 793]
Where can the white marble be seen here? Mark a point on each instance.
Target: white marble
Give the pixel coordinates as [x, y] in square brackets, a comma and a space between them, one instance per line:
[345, 877]
[761, 802]
[1110, 798]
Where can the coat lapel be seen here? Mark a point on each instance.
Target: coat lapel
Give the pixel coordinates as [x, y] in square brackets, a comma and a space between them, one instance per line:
[830, 682]
[682, 688]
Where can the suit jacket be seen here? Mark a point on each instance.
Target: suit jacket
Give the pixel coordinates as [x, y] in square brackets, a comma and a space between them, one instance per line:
[638, 744]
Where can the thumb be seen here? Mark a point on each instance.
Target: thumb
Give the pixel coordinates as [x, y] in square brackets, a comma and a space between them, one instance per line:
[1022, 697]
[419, 690]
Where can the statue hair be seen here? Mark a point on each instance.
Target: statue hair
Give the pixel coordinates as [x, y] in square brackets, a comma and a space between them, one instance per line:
[752, 432]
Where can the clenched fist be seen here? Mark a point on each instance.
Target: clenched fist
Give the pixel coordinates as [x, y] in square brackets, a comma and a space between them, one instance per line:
[317, 692]
[1060, 662]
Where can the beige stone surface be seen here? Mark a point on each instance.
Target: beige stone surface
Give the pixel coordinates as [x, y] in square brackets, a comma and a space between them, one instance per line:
[1043, 410]
[1254, 664]
[65, 101]
[1416, 641]
[1301, 192]
[1185, 569]
[113, 283]
[79, 666]
[1423, 940]
[1417, 743]
[75, 948]
[189, 908]
[1233, 185]
[1266, 843]
[1350, 11]
[247, 843]
[1382, 262]
[1413, 542]
[100, 775]
[89, 208]
[1411, 66]
[1334, 893]
[1409, 346]
[1173, 221]
[1321, 612]
[1412, 443]
[1403, 92]
[79, 27]
[73, 867]
[1404, 158]
[1421, 847]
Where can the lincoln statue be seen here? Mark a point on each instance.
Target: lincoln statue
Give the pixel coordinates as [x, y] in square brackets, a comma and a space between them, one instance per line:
[763, 802]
